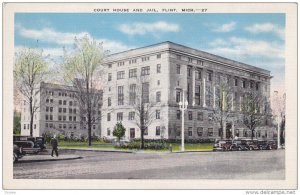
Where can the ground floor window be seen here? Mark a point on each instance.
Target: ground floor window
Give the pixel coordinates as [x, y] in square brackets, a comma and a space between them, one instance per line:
[108, 131]
[210, 131]
[190, 132]
[132, 133]
[157, 133]
[200, 131]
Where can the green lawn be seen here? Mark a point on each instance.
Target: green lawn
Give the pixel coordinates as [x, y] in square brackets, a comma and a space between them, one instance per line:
[176, 147]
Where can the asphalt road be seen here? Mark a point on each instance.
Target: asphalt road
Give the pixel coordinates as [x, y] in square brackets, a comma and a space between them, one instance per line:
[193, 165]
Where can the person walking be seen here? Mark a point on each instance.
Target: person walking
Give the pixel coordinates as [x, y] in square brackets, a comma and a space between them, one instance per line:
[54, 145]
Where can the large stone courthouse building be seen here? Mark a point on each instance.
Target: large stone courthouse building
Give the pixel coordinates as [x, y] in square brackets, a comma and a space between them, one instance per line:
[161, 73]
[164, 72]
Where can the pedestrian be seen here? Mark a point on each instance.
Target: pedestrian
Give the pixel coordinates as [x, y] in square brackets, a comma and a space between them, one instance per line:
[54, 145]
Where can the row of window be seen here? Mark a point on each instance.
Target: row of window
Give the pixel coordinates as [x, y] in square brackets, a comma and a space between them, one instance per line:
[131, 115]
[135, 60]
[133, 72]
[190, 115]
[27, 126]
[132, 132]
[63, 94]
[64, 102]
[190, 60]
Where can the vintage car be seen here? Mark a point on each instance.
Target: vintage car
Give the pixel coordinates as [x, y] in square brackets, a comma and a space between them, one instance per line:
[38, 142]
[252, 144]
[222, 145]
[240, 145]
[17, 153]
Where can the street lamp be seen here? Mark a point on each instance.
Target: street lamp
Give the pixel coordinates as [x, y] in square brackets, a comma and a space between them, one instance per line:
[183, 106]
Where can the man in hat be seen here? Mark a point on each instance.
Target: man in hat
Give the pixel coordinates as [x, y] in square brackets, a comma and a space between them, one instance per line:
[54, 145]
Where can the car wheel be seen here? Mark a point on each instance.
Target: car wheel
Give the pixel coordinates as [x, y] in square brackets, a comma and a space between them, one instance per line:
[250, 148]
[15, 158]
[240, 149]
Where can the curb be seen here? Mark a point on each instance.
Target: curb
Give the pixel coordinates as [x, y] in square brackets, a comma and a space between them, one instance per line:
[96, 150]
[193, 151]
[50, 159]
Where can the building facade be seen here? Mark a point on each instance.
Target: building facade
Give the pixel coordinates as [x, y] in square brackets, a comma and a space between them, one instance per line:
[58, 112]
[162, 73]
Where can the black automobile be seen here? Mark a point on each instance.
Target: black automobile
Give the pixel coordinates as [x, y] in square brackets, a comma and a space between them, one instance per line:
[272, 145]
[252, 144]
[240, 145]
[222, 145]
[263, 145]
[17, 153]
[38, 142]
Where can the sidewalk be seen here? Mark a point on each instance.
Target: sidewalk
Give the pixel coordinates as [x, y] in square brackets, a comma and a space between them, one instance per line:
[98, 150]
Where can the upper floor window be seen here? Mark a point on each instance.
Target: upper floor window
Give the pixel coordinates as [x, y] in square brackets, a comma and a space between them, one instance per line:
[157, 130]
[158, 67]
[200, 116]
[108, 116]
[109, 101]
[121, 63]
[132, 73]
[190, 60]
[178, 96]
[178, 69]
[133, 61]
[190, 115]
[244, 84]
[131, 116]
[189, 70]
[198, 74]
[158, 56]
[145, 59]
[199, 62]
[120, 95]
[157, 114]
[178, 114]
[251, 84]
[120, 75]
[119, 116]
[145, 71]
[209, 75]
[236, 82]
[109, 77]
[158, 96]
[257, 86]
[109, 65]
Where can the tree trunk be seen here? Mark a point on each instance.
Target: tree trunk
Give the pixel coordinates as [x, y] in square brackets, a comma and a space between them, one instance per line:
[89, 129]
[142, 125]
[31, 117]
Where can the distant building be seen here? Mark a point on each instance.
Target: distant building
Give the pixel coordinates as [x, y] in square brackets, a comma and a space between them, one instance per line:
[167, 70]
[59, 113]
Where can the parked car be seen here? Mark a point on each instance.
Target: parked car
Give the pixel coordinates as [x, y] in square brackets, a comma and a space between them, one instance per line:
[263, 145]
[252, 144]
[272, 145]
[38, 142]
[17, 153]
[27, 147]
[240, 145]
[222, 145]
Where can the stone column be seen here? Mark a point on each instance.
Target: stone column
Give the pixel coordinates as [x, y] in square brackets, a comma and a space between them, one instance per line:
[193, 87]
[204, 92]
[232, 101]
[241, 103]
[214, 96]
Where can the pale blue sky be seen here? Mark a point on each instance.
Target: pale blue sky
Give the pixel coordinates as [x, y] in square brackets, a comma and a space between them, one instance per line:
[255, 39]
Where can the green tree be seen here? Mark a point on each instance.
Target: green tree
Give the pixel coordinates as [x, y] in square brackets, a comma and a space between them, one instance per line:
[30, 69]
[17, 123]
[82, 67]
[119, 131]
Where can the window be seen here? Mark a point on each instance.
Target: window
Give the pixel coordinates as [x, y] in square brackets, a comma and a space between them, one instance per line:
[60, 102]
[59, 109]
[210, 131]
[190, 131]
[59, 93]
[146, 131]
[200, 131]
[178, 96]
[25, 126]
[50, 125]
[46, 125]
[158, 95]
[157, 132]
[257, 86]
[158, 56]
[60, 126]
[197, 94]
[199, 62]
[70, 118]
[109, 77]
[119, 116]
[51, 109]
[65, 126]
[132, 73]
[34, 126]
[74, 118]
[145, 59]
[109, 101]
[157, 114]
[210, 117]
[121, 63]
[251, 84]
[65, 102]
[47, 109]
[131, 116]
[178, 69]
[108, 116]
[209, 76]
[158, 67]
[158, 82]
[47, 101]
[236, 83]
[94, 126]
[190, 60]
[51, 101]
[132, 133]
[70, 110]
[133, 61]
[120, 95]
[145, 71]
[200, 116]
[132, 94]
[74, 127]
[198, 74]
[244, 84]
[59, 118]
[190, 115]
[108, 131]
[74, 111]
[64, 110]
[64, 118]
[46, 117]
[145, 92]
[189, 71]
[120, 75]
[178, 114]
[109, 65]
[70, 126]
[70, 103]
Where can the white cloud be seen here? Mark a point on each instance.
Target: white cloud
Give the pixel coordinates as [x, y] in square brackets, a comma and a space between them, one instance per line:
[141, 28]
[245, 48]
[49, 35]
[266, 28]
[225, 27]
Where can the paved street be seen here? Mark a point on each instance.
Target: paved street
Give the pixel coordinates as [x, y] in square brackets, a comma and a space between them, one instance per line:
[194, 165]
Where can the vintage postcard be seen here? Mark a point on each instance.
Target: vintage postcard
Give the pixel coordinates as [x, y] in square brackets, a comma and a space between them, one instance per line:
[150, 96]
